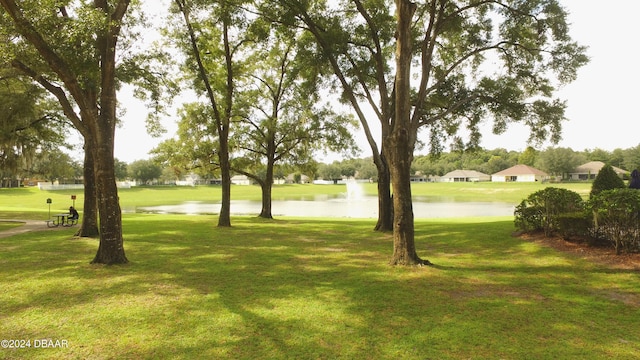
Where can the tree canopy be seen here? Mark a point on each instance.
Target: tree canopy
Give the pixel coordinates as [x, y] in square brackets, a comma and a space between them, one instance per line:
[31, 124]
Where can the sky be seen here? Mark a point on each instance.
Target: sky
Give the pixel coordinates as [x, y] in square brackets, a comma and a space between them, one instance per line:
[601, 103]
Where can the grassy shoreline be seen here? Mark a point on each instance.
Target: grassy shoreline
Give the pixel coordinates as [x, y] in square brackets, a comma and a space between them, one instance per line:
[30, 203]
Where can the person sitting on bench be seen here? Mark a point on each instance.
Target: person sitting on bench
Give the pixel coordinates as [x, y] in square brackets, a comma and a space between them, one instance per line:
[73, 214]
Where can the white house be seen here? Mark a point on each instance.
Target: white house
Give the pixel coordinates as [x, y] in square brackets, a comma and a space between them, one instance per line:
[465, 176]
[520, 173]
[240, 180]
[590, 170]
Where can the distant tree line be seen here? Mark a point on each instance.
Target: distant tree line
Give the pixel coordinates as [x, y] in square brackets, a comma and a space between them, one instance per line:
[554, 161]
[57, 165]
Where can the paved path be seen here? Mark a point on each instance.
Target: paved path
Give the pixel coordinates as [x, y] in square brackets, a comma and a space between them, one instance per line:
[29, 225]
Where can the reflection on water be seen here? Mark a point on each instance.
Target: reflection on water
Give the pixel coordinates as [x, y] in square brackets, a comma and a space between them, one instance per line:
[361, 207]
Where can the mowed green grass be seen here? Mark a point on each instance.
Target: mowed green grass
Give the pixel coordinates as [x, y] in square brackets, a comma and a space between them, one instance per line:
[295, 288]
[312, 289]
[8, 225]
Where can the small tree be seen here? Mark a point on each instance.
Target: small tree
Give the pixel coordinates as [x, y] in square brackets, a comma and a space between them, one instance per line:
[144, 171]
[607, 179]
[331, 171]
[120, 169]
[559, 161]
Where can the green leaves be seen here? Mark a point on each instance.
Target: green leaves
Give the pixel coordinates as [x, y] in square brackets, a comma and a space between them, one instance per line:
[30, 124]
[543, 209]
[618, 215]
[607, 179]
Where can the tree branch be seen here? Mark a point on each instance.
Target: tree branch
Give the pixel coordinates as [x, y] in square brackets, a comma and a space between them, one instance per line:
[57, 91]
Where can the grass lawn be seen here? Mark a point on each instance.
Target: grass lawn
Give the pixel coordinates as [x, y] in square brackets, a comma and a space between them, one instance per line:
[312, 289]
[8, 225]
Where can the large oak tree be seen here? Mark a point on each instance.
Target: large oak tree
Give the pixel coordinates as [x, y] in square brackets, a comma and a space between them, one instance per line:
[470, 70]
[443, 66]
[70, 50]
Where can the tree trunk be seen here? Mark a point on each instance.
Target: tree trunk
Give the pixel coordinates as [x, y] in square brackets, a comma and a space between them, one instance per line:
[385, 203]
[404, 250]
[223, 124]
[102, 129]
[89, 220]
[111, 249]
[102, 133]
[399, 145]
[267, 187]
[224, 219]
[265, 212]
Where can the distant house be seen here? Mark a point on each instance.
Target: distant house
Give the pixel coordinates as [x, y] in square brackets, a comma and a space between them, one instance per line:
[590, 170]
[465, 176]
[189, 180]
[240, 180]
[297, 179]
[419, 177]
[520, 173]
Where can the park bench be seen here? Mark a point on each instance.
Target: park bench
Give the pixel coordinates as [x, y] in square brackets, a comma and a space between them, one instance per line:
[61, 219]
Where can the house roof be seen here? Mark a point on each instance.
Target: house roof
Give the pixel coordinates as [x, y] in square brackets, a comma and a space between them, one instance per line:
[593, 167]
[521, 170]
[464, 174]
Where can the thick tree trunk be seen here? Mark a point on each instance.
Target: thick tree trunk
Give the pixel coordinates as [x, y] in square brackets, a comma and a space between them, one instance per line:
[267, 187]
[265, 212]
[224, 219]
[111, 249]
[404, 250]
[102, 130]
[399, 145]
[385, 203]
[89, 219]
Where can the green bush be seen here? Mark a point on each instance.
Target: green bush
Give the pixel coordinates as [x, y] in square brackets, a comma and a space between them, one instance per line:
[617, 217]
[607, 179]
[542, 209]
[577, 224]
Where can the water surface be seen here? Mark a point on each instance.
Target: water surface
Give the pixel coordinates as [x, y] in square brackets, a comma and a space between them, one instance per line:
[362, 207]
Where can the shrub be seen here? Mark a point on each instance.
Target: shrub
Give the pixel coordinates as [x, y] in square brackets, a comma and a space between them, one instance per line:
[617, 217]
[576, 224]
[542, 209]
[607, 179]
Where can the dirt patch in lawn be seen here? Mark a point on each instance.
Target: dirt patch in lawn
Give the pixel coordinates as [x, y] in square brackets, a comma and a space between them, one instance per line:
[602, 254]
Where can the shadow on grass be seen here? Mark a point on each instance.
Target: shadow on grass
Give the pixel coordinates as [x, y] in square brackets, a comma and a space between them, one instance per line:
[319, 289]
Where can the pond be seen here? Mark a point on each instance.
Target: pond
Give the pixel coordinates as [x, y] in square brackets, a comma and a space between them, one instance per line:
[339, 207]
